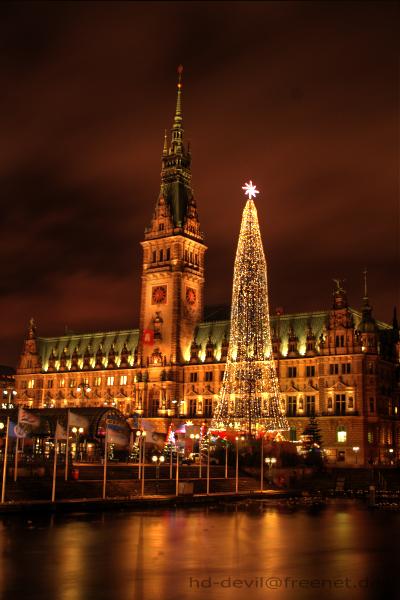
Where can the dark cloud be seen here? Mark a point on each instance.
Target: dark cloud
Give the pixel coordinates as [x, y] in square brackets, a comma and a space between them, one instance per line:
[300, 97]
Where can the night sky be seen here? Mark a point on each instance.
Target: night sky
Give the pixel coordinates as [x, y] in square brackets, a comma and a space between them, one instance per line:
[302, 98]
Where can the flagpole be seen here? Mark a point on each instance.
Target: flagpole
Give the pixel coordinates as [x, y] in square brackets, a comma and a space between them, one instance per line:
[3, 489]
[177, 474]
[105, 462]
[262, 465]
[208, 467]
[67, 449]
[53, 489]
[16, 459]
[143, 457]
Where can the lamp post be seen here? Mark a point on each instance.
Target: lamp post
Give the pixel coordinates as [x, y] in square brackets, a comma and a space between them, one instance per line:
[196, 436]
[139, 436]
[9, 395]
[3, 488]
[83, 388]
[157, 461]
[270, 461]
[356, 450]
[78, 432]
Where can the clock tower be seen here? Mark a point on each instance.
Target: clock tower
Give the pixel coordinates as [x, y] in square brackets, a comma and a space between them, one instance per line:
[173, 258]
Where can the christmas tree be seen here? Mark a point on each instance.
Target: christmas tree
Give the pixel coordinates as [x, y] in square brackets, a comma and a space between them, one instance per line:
[249, 399]
[312, 434]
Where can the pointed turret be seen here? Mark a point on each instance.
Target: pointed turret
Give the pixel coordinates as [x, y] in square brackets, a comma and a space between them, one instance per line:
[367, 326]
[30, 360]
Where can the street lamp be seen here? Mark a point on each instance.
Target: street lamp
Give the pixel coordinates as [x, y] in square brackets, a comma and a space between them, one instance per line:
[356, 450]
[140, 435]
[196, 436]
[77, 431]
[157, 460]
[84, 389]
[9, 395]
[270, 461]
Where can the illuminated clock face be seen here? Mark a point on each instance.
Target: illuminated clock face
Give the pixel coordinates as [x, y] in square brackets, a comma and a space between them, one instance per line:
[190, 296]
[159, 294]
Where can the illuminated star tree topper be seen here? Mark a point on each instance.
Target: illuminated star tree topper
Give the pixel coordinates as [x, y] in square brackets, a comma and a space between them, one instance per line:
[250, 190]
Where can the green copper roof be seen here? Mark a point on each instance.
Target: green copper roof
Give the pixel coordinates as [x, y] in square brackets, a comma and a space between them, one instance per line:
[82, 341]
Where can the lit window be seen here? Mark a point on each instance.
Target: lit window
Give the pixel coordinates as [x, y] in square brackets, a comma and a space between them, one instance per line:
[72, 383]
[61, 383]
[97, 381]
[341, 435]
[31, 383]
[370, 437]
[123, 380]
[110, 380]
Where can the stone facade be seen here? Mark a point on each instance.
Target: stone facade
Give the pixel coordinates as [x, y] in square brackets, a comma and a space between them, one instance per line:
[340, 365]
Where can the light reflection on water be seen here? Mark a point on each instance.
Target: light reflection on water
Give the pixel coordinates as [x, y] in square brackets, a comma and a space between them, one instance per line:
[343, 551]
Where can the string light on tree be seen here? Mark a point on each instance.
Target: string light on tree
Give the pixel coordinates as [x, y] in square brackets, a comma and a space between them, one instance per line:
[249, 399]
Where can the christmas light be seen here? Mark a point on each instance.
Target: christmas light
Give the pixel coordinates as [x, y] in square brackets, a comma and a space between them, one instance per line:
[249, 399]
[250, 190]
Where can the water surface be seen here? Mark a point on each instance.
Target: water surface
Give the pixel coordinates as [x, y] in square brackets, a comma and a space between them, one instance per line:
[343, 551]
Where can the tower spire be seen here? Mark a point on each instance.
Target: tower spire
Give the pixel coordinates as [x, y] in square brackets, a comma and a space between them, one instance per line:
[177, 131]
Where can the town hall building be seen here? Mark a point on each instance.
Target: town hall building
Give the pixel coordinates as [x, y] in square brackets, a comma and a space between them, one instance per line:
[339, 365]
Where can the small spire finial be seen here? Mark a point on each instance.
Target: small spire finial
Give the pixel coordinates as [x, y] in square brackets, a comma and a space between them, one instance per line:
[165, 148]
[365, 284]
[178, 111]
